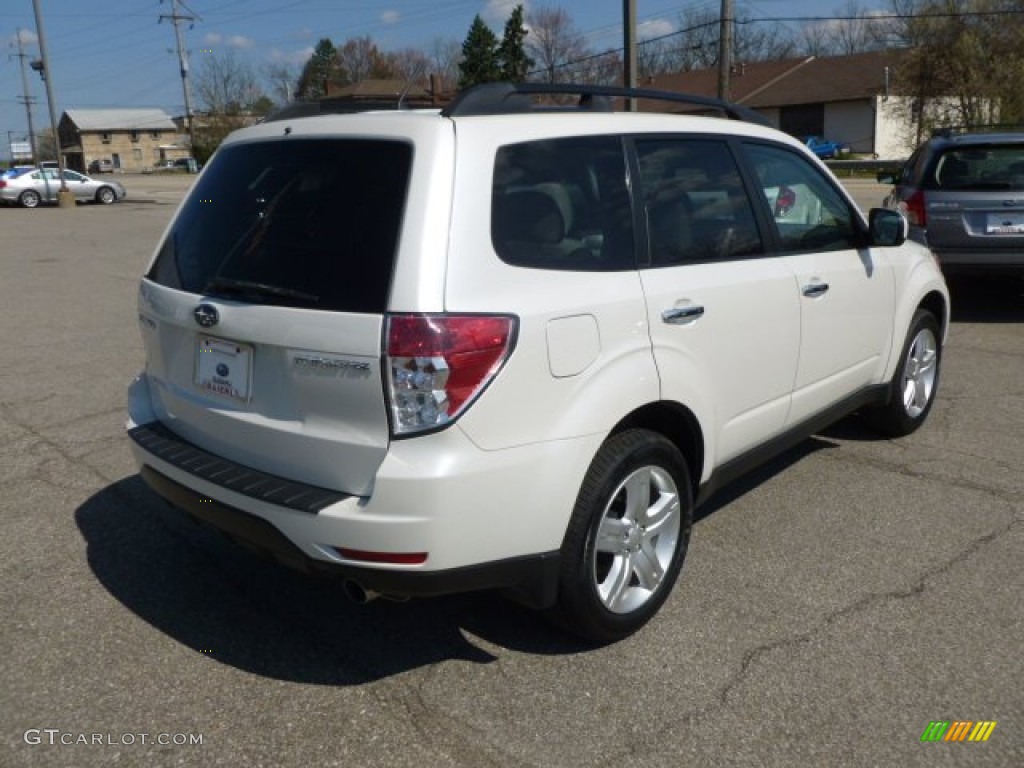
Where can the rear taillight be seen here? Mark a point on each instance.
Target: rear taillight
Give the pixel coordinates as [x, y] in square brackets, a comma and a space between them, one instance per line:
[437, 364]
[913, 209]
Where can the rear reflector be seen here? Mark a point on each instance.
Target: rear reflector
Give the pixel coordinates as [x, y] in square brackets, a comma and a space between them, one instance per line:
[395, 558]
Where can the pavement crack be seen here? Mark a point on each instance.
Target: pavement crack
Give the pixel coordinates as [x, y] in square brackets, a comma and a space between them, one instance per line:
[753, 655]
[41, 438]
[904, 469]
[465, 744]
[759, 652]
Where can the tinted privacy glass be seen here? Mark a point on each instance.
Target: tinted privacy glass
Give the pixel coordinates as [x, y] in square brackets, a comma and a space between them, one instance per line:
[309, 223]
[809, 212]
[985, 167]
[697, 209]
[563, 204]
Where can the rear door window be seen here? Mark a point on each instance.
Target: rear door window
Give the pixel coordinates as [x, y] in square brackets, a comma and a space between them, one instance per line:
[563, 204]
[307, 222]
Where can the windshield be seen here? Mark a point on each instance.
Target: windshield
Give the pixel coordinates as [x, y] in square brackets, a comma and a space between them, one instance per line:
[302, 222]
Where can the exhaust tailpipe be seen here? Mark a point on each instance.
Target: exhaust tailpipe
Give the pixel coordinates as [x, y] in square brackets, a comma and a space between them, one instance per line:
[357, 593]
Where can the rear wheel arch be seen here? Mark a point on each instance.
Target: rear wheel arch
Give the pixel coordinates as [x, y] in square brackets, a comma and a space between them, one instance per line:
[936, 304]
[679, 425]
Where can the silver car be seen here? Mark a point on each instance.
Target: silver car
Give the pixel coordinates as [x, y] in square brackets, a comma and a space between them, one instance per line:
[42, 185]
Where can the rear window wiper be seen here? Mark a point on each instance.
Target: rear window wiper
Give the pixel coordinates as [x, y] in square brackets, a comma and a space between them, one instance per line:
[252, 290]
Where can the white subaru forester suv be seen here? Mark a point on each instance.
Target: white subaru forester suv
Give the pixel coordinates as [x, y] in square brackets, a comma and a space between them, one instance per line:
[511, 344]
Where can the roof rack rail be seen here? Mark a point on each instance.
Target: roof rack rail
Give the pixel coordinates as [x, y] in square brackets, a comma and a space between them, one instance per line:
[511, 98]
[311, 108]
[948, 131]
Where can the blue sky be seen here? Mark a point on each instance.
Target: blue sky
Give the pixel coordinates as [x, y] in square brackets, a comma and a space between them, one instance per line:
[116, 53]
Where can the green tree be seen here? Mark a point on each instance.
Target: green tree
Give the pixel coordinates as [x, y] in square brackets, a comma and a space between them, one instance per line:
[515, 63]
[480, 63]
[321, 68]
[966, 61]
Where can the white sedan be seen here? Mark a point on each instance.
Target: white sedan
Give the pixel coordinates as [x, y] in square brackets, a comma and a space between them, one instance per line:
[29, 189]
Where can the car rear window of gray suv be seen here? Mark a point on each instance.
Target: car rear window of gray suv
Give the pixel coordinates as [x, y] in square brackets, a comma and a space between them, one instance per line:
[979, 168]
[311, 223]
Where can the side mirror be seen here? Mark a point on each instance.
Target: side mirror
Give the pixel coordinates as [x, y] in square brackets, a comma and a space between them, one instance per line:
[887, 227]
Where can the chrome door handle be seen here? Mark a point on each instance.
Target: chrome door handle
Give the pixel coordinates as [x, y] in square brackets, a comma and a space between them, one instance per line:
[815, 289]
[681, 315]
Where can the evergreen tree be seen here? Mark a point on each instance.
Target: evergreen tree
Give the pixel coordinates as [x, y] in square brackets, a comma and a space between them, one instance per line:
[480, 63]
[321, 67]
[515, 64]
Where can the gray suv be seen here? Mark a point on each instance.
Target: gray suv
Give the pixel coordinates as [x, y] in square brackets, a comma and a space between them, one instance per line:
[964, 197]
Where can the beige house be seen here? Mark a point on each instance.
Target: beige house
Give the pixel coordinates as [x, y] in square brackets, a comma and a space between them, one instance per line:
[132, 139]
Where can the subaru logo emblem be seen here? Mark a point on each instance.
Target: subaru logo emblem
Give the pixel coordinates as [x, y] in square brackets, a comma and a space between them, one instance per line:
[222, 370]
[206, 315]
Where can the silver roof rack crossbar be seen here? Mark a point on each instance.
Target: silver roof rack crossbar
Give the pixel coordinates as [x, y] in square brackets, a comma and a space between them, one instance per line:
[511, 98]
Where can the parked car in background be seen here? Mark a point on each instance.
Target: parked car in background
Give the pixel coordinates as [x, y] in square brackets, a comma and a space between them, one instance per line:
[964, 197]
[103, 165]
[17, 170]
[186, 164]
[826, 149]
[42, 185]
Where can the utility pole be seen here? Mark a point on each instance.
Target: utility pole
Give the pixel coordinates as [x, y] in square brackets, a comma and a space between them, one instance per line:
[27, 99]
[725, 49]
[176, 18]
[629, 49]
[64, 197]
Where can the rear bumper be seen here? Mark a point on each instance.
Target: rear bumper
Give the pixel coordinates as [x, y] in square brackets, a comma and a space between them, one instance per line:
[975, 261]
[981, 262]
[532, 579]
[485, 518]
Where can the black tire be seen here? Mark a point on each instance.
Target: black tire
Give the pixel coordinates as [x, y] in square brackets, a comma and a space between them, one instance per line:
[105, 196]
[29, 199]
[915, 382]
[602, 594]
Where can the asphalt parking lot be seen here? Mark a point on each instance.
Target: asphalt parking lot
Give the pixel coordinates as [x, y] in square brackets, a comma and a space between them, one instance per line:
[832, 605]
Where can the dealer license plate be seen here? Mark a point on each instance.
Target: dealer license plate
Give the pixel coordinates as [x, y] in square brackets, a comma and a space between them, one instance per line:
[223, 367]
[1005, 224]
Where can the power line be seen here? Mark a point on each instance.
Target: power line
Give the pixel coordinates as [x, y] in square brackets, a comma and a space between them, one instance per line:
[715, 22]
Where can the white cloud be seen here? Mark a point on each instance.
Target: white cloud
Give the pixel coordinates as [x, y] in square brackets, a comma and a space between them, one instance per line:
[300, 56]
[645, 30]
[496, 12]
[216, 39]
[390, 17]
[27, 37]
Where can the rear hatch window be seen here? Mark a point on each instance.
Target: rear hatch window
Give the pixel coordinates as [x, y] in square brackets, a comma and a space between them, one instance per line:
[987, 167]
[310, 223]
